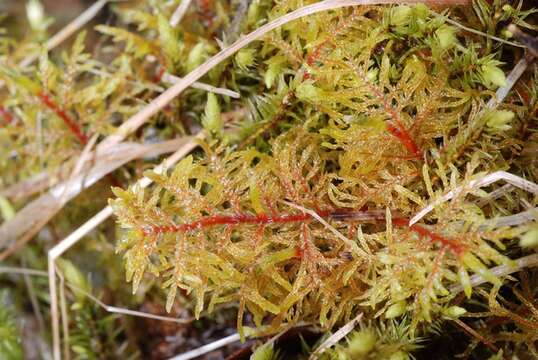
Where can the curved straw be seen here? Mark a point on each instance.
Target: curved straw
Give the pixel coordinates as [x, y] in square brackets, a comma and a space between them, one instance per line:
[207, 348]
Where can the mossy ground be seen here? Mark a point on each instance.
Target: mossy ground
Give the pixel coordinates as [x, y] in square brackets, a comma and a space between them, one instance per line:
[295, 209]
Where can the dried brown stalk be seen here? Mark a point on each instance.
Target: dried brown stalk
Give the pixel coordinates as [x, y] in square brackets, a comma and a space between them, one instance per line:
[100, 163]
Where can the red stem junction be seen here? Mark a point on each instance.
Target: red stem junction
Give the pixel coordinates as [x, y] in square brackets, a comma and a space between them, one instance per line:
[397, 128]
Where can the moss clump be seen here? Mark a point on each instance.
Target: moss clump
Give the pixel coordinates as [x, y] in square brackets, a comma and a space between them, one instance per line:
[322, 141]
[362, 133]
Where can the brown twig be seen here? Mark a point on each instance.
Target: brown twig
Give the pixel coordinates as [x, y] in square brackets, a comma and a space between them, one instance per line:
[530, 42]
[474, 333]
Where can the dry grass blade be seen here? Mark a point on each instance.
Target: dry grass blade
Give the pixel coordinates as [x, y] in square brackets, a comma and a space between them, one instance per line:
[471, 30]
[486, 180]
[65, 319]
[191, 354]
[34, 184]
[530, 42]
[179, 12]
[68, 30]
[112, 309]
[523, 217]
[21, 271]
[336, 337]
[477, 335]
[40, 210]
[85, 157]
[511, 79]
[207, 348]
[501, 270]
[172, 79]
[494, 195]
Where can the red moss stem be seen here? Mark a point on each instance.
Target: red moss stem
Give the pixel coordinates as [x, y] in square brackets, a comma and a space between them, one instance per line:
[457, 249]
[72, 125]
[161, 69]
[405, 138]
[340, 28]
[206, 11]
[312, 57]
[6, 115]
[477, 335]
[68, 120]
[340, 214]
[397, 129]
[160, 73]
[260, 219]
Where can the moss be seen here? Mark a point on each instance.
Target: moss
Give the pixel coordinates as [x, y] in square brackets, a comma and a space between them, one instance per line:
[358, 131]
[296, 207]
